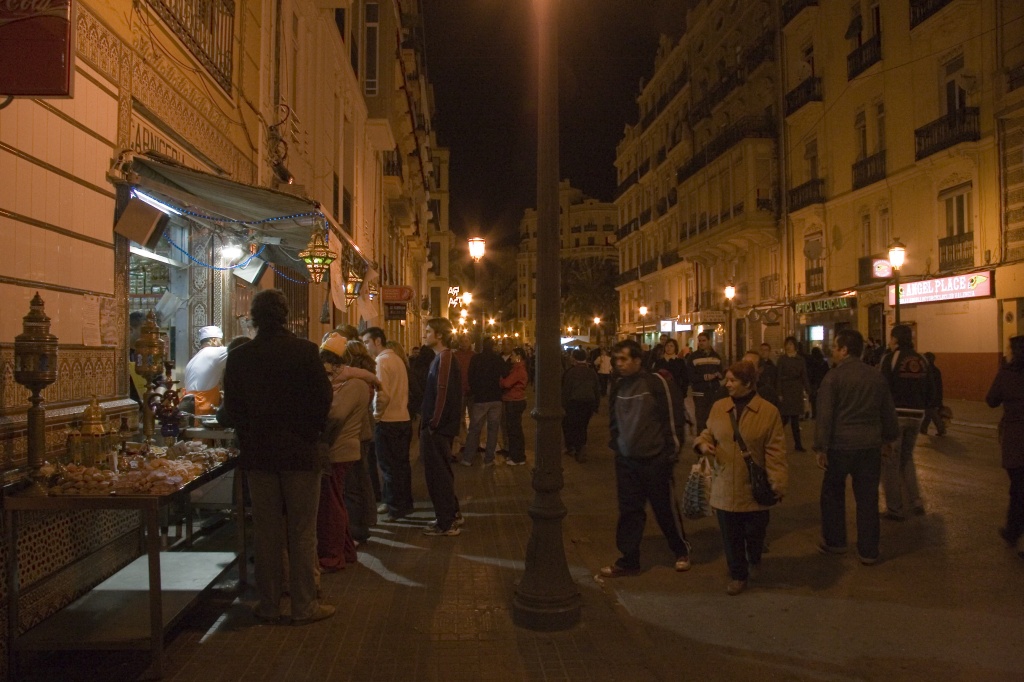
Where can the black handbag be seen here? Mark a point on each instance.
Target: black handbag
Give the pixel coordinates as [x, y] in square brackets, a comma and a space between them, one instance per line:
[760, 488]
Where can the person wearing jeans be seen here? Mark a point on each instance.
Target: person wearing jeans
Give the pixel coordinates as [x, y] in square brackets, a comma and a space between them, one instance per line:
[441, 410]
[485, 372]
[513, 397]
[1008, 390]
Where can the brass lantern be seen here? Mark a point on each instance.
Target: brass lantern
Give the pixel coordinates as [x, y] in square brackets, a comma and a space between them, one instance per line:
[94, 438]
[35, 368]
[317, 256]
[149, 362]
[353, 281]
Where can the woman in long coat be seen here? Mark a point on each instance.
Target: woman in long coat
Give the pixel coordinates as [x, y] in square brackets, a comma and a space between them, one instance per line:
[793, 382]
[742, 520]
[1008, 390]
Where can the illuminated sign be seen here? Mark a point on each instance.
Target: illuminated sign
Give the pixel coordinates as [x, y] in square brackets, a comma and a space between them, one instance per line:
[880, 268]
[826, 305]
[955, 288]
[666, 325]
[454, 298]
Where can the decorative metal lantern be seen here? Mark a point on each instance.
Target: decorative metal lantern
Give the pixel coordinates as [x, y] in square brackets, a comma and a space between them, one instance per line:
[35, 368]
[94, 438]
[353, 281]
[149, 362]
[317, 256]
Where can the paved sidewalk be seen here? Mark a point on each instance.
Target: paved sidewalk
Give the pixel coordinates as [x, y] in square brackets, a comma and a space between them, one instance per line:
[945, 603]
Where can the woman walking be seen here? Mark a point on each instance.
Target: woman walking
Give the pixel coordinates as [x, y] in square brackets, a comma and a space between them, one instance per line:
[1008, 390]
[513, 397]
[793, 383]
[743, 423]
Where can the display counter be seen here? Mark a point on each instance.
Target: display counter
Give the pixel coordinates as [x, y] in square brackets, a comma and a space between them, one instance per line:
[113, 615]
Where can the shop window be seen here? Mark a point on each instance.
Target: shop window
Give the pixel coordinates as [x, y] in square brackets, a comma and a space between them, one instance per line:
[880, 123]
[297, 294]
[957, 208]
[860, 128]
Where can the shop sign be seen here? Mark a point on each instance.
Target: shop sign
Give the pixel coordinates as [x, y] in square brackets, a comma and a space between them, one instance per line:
[711, 317]
[394, 311]
[392, 294]
[826, 305]
[37, 48]
[455, 299]
[955, 288]
[145, 137]
[667, 325]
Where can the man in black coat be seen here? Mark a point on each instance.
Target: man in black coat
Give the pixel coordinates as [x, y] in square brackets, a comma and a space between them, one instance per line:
[276, 396]
[485, 372]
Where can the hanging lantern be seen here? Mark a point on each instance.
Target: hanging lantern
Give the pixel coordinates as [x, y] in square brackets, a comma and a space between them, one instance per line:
[317, 256]
[353, 281]
[149, 349]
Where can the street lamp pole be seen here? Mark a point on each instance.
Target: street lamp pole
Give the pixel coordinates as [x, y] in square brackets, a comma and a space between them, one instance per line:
[730, 293]
[643, 325]
[477, 248]
[897, 255]
[597, 327]
[547, 598]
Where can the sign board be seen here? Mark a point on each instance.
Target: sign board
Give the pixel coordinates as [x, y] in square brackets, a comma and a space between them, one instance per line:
[711, 317]
[827, 305]
[683, 327]
[37, 48]
[394, 311]
[146, 137]
[667, 325]
[393, 294]
[881, 268]
[954, 288]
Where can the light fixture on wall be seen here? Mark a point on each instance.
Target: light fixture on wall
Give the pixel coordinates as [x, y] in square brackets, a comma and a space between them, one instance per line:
[317, 256]
[353, 279]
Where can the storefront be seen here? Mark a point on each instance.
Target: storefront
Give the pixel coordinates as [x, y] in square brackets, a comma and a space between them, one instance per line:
[820, 319]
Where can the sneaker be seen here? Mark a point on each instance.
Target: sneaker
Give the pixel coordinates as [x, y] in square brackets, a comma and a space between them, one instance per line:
[465, 463]
[458, 522]
[382, 508]
[617, 571]
[513, 463]
[735, 587]
[830, 549]
[398, 516]
[683, 563]
[892, 516]
[434, 529]
[867, 560]
[323, 611]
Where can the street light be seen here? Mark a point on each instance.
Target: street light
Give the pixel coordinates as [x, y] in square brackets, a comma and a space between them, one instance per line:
[477, 248]
[897, 255]
[730, 293]
[643, 324]
[597, 325]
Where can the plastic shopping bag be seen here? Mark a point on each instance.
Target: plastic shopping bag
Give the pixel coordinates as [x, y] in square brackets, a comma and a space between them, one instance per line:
[697, 493]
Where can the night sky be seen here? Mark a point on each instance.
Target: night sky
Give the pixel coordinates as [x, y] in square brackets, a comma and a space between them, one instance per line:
[481, 59]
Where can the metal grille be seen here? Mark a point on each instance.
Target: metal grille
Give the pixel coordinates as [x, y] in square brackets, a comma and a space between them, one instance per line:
[206, 27]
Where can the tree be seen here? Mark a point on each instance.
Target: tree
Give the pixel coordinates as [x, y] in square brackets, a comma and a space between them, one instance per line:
[588, 289]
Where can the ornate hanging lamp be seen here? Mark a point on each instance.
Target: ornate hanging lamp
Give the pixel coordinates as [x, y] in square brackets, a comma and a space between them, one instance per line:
[353, 279]
[317, 256]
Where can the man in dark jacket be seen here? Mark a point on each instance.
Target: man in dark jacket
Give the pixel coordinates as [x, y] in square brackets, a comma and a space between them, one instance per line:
[910, 382]
[485, 371]
[277, 396]
[933, 413]
[646, 449]
[856, 417]
[581, 395]
[767, 375]
[705, 367]
[441, 410]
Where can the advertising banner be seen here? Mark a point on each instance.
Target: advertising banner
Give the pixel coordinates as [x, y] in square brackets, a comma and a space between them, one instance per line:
[954, 288]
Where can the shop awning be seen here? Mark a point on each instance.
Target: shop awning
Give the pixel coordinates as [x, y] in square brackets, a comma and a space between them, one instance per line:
[281, 220]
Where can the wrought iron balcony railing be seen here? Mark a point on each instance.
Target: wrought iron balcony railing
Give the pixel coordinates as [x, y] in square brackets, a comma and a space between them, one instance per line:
[963, 125]
[391, 163]
[746, 127]
[626, 183]
[645, 217]
[858, 61]
[869, 170]
[649, 266]
[921, 10]
[770, 286]
[792, 8]
[811, 192]
[670, 258]
[206, 27]
[956, 252]
[815, 279]
[808, 91]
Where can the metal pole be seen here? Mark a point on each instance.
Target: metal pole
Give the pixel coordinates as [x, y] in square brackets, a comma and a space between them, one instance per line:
[546, 598]
[897, 271]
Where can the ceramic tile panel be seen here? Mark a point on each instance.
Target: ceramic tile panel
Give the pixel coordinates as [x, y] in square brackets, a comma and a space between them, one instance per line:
[8, 188]
[23, 184]
[81, 372]
[8, 245]
[67, 148]
[23, 250]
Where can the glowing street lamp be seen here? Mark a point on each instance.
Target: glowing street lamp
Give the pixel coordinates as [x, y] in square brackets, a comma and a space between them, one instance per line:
[477, 248]
[897, 256]
[643, 324]
[730, 293]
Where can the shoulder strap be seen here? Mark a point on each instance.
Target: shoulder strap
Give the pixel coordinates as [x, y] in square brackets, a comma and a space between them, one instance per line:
[736, 436]
[671, 411]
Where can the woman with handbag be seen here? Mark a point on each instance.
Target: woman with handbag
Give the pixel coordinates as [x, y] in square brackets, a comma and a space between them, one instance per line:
[743, 427]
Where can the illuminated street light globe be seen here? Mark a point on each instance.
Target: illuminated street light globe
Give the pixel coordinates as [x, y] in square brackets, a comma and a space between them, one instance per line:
[477, 247]
[597, 320]
[897, 253]
[467, 297]
[730, 291]
[643, 311]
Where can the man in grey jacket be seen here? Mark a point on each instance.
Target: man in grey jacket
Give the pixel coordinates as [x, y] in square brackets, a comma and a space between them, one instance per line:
[856, 416]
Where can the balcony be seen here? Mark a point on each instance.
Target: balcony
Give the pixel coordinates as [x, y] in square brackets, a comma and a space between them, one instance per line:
[921, 10]
[207, 29]
[746, 127]
[626, 183]
[815, 279]
[762, 51]
[670, 258]
[792, 8]
[626, 276]
[963, 125]
[391, 163]
[858, 61]
[714, 96]
[673, 197]
[812, 192]
[1015, 78]
[627, 229]
[808, 91]
[645, 217]
[645, 166]
[956, 252]
[661, 208]
[649, 266]
[765, 204]
[869, 170]
[770, 287]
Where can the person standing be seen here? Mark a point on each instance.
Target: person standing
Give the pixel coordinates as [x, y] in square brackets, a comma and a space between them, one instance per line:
[792, 385]
[392, 431]
[705, 370]
[581, 396]
[743, 424]
[674, 364]
[204, 373]
[463, 355]
[856, 417]
[604, 370]
[933, 413]
[441, 410]
[485, 372]
[817, 367]
[907, 374]
[513, 399]
[277, 397]
[1008, 390]
[767, 375]
[646, 448]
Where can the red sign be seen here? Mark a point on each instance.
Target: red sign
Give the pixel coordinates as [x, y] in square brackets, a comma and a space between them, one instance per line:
[37, 48]
[955, 288]
[390, 294]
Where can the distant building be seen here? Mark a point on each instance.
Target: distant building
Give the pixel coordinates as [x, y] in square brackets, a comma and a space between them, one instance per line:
[586, 227]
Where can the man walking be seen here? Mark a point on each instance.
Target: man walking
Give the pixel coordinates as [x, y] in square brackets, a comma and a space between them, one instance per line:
[705, 368]
[464, 355]
[910, 382]
[392, 430]
[856, 416]
[581, 395]
[646, 448]
[767, 375]
[276, 396]
[441, 410]
[485, 372]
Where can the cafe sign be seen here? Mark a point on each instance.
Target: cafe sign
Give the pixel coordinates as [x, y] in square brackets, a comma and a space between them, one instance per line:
[826, 305]
[954, 288]
[37, 48]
